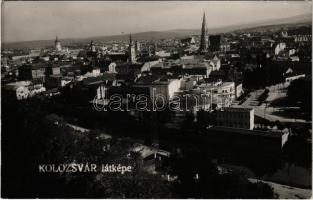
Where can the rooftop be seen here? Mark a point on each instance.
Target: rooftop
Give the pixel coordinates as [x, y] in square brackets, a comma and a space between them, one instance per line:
[15, 85]
[99, 79]
[216, 85]
[154, 79]
[269, 133]
[236, 109]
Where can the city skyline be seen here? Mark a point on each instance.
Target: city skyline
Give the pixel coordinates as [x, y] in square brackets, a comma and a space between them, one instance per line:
[156, 100]
[45, 20]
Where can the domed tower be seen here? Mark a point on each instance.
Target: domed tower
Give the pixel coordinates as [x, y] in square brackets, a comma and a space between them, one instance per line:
[57, 44]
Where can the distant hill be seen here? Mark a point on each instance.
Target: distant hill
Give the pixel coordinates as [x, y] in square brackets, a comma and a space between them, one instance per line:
[295, 20]
[177, 33]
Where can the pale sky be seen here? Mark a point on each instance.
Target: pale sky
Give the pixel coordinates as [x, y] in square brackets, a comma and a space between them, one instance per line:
[31, 20]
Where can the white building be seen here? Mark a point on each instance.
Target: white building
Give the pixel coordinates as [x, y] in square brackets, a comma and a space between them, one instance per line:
[163, 89]
[112, 67]
[147, 65]
[25, 89]
[280, 47]
[163, 54]
[292, 77]
[223, 92]
[215, 63]
[173, 86]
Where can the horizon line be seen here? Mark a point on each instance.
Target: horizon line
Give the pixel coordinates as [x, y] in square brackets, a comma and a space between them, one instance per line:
[124, 33]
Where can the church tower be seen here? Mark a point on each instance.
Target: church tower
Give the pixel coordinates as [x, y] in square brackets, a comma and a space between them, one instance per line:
[57, 44]
[137, 46]
[204, 36]
[92, 47]
[131, 50]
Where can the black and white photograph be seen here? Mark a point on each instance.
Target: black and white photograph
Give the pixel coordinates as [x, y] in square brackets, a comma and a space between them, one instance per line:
[156, 99]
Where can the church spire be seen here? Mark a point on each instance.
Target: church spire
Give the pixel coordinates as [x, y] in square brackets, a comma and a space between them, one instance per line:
[203, 19]
[130, 39]
[203, 39]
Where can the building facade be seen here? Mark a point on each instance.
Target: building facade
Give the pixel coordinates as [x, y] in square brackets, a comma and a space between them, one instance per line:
[236, 117]
[215, 43]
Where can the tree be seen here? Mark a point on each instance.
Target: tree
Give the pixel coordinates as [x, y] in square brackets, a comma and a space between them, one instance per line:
[300, 90]
[199, 178]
